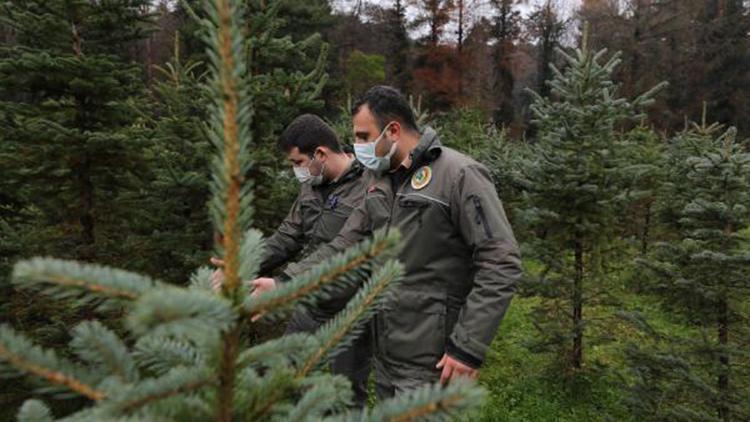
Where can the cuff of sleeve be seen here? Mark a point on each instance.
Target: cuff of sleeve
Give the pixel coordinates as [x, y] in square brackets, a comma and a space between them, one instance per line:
[465, 358]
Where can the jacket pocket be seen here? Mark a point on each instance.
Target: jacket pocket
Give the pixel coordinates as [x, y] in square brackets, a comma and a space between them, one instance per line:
[412, 209]
[378, 208]
[479, 218]
[331, 221]
[310, 211]
[414, 328]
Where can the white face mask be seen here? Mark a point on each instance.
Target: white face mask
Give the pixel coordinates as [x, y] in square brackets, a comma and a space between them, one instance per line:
[303, 174]
[365, 153]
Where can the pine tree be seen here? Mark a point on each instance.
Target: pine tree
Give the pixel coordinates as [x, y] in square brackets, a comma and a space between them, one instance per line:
[362, 72]
[546, 25]
[575, 179]
[68, 91]
[648, 157]
[434, 15]
[643, 156]
[506, 27]
[293, 68]
[169, 234]
[67, 105]
[399, 75]
[723, 50]
[182, 356]
[703, 277]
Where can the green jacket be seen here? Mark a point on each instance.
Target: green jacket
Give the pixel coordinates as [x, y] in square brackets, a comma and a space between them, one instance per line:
[461, 259]
[316, 217]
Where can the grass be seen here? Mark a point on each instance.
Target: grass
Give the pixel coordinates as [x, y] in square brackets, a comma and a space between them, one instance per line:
[524, 386]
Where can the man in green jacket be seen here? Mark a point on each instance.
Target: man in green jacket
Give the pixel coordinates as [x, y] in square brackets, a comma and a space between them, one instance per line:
[332, 185]
[460, 257]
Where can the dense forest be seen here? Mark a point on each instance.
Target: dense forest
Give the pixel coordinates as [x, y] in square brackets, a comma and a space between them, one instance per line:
[614, 131]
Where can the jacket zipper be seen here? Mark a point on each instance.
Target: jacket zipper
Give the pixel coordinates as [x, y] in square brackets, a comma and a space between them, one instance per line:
[393, 203]
[379, 315]
[480, 218]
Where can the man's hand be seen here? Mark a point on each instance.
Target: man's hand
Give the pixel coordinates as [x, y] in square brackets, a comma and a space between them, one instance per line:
[217, 278]
[454, 369]
[260, 286]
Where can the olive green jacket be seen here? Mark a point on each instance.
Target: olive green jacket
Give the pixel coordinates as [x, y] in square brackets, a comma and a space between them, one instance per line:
[461, 259]
[314, 220]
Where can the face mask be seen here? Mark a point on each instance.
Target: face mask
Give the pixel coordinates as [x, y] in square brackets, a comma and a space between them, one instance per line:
[303, 174]
[366, 154]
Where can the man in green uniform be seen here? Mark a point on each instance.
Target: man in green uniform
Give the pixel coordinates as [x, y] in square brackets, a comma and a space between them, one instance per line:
[460, 257]
[332, 185]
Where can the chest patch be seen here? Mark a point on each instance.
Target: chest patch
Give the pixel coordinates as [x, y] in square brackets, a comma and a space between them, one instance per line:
[421, 178]
[333, 202]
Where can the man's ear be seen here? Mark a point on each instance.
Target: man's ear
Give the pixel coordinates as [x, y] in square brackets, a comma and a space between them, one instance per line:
[395, 130]
[320, 153]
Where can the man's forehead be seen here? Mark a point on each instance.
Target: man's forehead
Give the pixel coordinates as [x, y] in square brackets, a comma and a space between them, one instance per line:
[363, 121]
[295, 154]
[363, 116]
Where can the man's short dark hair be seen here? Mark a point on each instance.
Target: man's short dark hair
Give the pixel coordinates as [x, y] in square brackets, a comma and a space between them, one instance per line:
[308, 132]
[387, 104]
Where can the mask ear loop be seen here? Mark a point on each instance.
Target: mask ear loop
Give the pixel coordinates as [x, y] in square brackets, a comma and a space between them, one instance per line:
[393, 144]
[322, 166]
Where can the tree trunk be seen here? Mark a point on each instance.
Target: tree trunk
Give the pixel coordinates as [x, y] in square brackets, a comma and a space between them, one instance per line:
[149, 60]
[86, 201]
[460, 67]
[646, 230]
[547, 44]
[82, 170]
[577, 352]
[635, 62]
[723, 379]
[227, 376]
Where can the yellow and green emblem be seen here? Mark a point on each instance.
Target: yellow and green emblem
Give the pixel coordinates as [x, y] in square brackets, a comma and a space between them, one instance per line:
[421, 178]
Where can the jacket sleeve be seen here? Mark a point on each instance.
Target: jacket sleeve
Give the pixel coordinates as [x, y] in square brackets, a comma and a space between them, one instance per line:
[497, 263]
[285, 242]
[355, 229]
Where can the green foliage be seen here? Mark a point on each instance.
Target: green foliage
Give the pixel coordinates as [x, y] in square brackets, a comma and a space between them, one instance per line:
[168, 217]
[363, 71]
[69, 144]
[521, 385]
[181, 355]
[289, 67]
[705, 268]
[34, 411]
[643, 173]
[345, 270]
[103, 350]
[470, 131]
[434, 403]
[575, 176]
[67, 104]
[70, 278]
[290, 75]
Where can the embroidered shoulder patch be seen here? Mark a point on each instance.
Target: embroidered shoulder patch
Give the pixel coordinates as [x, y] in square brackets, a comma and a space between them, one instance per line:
[421, 178]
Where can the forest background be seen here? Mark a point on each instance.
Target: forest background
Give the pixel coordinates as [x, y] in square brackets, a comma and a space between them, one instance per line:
[103, 159]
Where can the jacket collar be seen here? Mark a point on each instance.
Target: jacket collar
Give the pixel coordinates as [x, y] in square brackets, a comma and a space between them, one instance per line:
[354, 171]
[427, 150]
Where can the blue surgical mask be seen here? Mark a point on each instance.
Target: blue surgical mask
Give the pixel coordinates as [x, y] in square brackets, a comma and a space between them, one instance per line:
[365, 153]
[304, 176]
